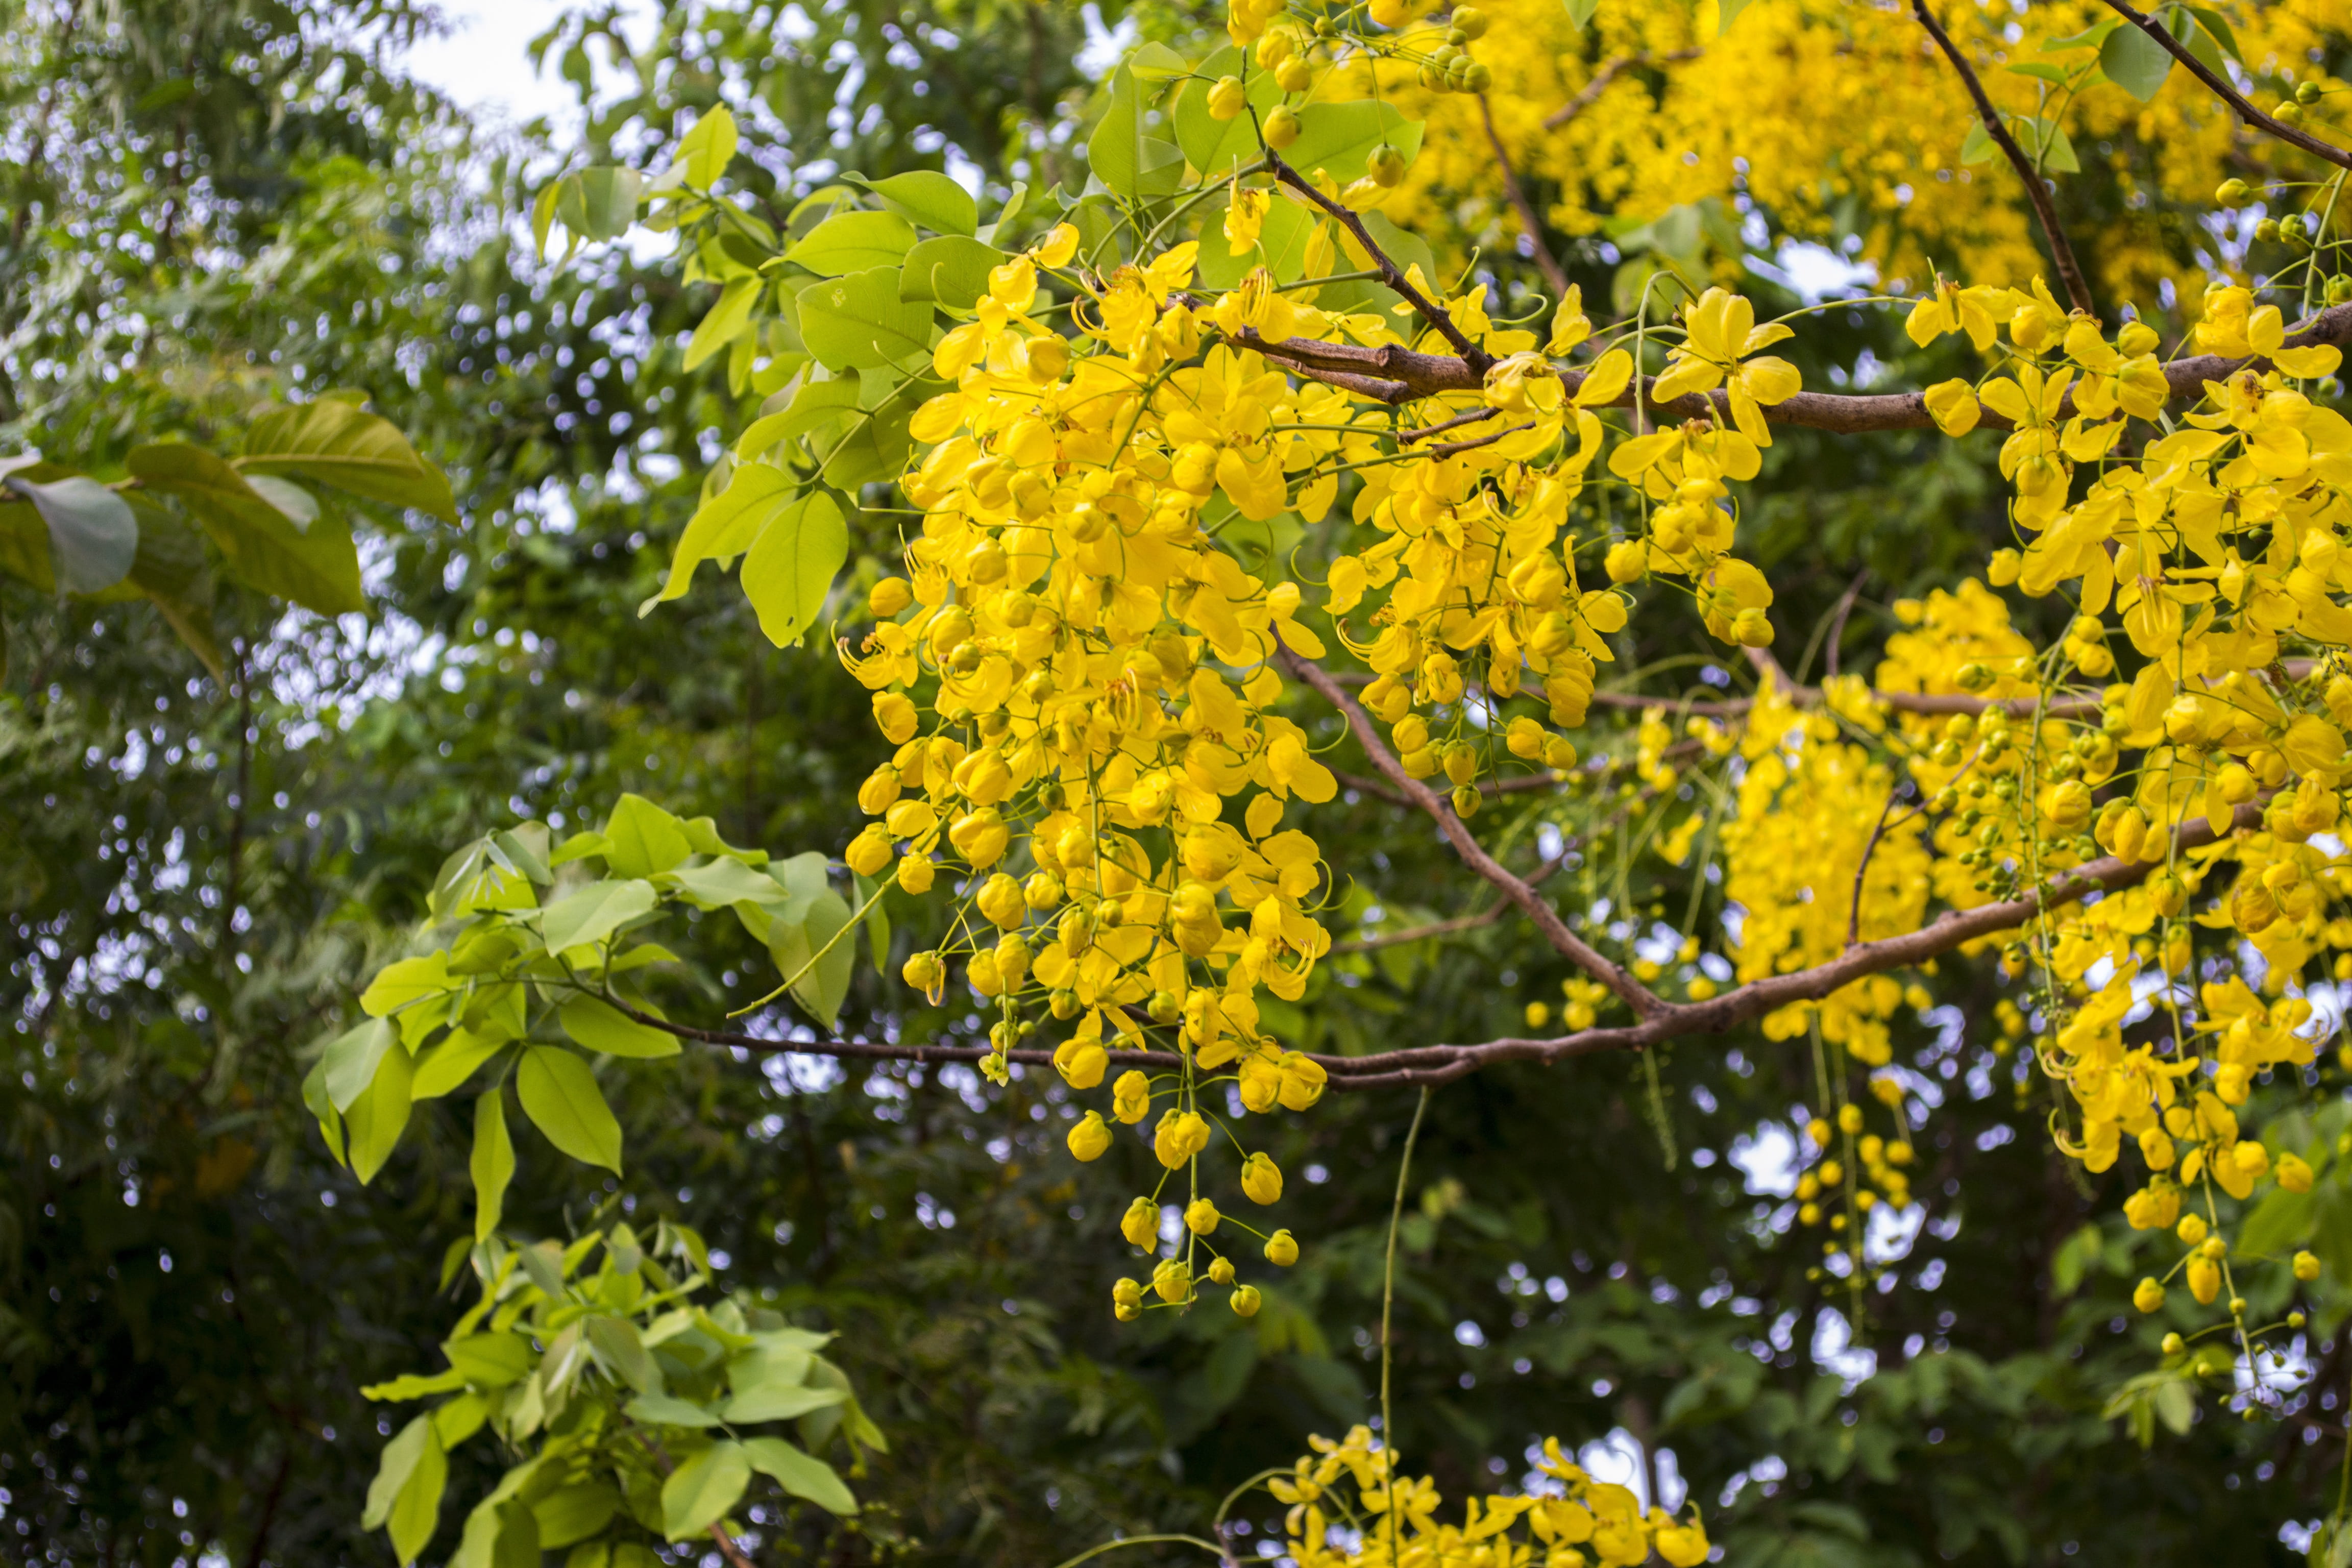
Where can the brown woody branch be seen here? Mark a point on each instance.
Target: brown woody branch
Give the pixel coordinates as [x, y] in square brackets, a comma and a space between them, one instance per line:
[1457, 833]
[2036, 191]
[2228, 94]
[1529, 224]
[1395, 374]
[1475, 359]
[1427, 1065]
[1608, 72]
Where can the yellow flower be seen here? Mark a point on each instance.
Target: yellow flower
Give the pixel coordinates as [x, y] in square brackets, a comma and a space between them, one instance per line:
[1721, 333]
[1245, 216]
[1089, 1140]
[1261, 1179]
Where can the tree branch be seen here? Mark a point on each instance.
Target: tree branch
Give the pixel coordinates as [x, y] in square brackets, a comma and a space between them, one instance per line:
[1457, 833]
[1475, 358]
[2229, 95]
[1405, 375]
[2036, 191]
[1608, 72]
[1529, 224]
[1422, 1066]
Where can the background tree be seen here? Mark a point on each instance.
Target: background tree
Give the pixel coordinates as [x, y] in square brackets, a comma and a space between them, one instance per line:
[502, 674]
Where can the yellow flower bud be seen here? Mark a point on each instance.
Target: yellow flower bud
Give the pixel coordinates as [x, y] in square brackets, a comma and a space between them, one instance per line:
[1261, 1179]
[1221, 1271]
[2294, 1173]
[2191, 1229]
[1090, 1139]
[2306, 1266]
[1174, 1281]
[916, 872]
[895, 716]
[925, 973]
[869, 851]
[1819, 1132]
[1130, 1097]
[2149, 1296]
[1850, 1118]
[1127, 1300]
[1281, 1251]
[1227, 98]
[1245, 1300]
[1200, 1216]
[2204, 1281]
[888, 596]
[1141, 1224]
[1281, 128]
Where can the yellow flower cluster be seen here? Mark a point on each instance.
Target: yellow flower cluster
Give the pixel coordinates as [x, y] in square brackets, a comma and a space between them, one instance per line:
[1831, 117]
[1390, 1522]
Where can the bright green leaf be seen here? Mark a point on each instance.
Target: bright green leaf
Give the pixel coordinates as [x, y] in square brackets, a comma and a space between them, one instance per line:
[561, 1097]
[726, 524]
[704, 152]
[93, 536]
[800, 1473]
[594, 912]
[1341, 138]
[447, 1065]
[699, 1492]
[339, 444]
[668, 1410]
[1580, 13]
[642, 839]
[951, 270]
[854, 242]
[398, 1462]
[377, 1118]
[1155, 61]
[823, 986]
[790, 568]
[725, 321]
[351, 1059]
[407, 983]
[2135, 62]
[599, 203]
[414, 1385]
[493, 1164]
[859, 321]
[573, 1513]
[615, 1341]
[594, 1025]
[491, 1360]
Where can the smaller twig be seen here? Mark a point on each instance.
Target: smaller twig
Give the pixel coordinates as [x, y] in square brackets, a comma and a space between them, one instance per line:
[1854, 915]
[2229, 95]
[1644, 1003]
[1476, 358]
[1837, 623]
[1458, 923]
[1608, 72]
[1529, 224]
[1448, 448]
[1467, 416]
[2077, 291]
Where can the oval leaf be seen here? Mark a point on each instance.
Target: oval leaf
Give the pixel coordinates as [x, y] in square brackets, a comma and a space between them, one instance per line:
[699, 1492]
[93, 536]
[596, 1026]
[561, 1097]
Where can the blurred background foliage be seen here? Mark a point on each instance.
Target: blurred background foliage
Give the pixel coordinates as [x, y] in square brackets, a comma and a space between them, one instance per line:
[210, 204]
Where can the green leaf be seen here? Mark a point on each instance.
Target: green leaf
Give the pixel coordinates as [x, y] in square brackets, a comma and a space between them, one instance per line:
[816, 406]
[93, 536]
[1281, 246]
[2135, 62]
[407, 983]
[951, 270]
[1155, 61]
[800, 1473]
[599, 203]
[616, 1340]
[1728, 13]
[417, 1510]
[339, 444]
[877, 923]
[171, 571]
[1214, 146]
[704, 152]
[491, 1360]
[858, 323]
[668, 1410]
[790, 568]
[856, 241]
[1341, 138]
[493, 1164]
[723, 882]
[2281, 1220]
[725, 321]
[2049, 143]
[268, 528]
[727, 524]
[457, 1419]
[594, 912]
[2088, 38]
[351, 1059]
[699, 1492]
[573, 1513]
[2212, 21]
[561, 1097]
[641, 839]
[1978, 145]
[825, 987]
[1580, 13]
[414, 1385]
[778, 1403]
[393, 1467]
[2176, 1405]
[2056, 75]
[1115, 150]
[597, 1026]
[376, 1118]
[445, 1066]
